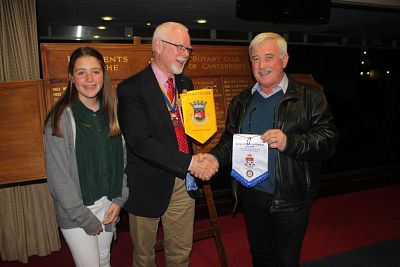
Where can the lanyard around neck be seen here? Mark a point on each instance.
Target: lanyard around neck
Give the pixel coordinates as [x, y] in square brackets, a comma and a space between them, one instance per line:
[171, 105]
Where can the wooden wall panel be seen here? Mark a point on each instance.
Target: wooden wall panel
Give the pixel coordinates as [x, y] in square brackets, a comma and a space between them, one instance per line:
[21, 124]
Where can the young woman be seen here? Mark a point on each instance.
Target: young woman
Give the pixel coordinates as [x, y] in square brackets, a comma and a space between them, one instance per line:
[85, 160]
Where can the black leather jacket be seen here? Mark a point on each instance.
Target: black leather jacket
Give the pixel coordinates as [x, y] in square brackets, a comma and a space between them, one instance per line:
[304, 116]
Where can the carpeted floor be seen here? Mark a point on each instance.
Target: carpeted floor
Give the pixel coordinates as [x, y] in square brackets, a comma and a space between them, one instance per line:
[344, 222]
[384, 254]
[355, 229]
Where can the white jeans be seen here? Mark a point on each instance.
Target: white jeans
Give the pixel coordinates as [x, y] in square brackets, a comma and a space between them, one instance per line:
[88, 250]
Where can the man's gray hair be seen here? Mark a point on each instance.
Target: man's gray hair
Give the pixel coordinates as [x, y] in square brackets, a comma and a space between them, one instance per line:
[266, 36]
[162, 30]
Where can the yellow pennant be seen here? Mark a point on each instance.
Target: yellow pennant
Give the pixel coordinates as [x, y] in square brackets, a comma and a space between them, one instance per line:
[198, 110]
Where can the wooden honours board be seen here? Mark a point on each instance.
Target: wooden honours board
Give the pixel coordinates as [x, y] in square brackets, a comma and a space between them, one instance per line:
[225, 69]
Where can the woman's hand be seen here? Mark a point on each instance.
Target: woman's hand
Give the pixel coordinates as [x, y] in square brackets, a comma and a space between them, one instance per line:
[98, 231]
[111, 214]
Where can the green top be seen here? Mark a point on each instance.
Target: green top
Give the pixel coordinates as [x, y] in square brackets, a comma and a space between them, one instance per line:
[99, 157]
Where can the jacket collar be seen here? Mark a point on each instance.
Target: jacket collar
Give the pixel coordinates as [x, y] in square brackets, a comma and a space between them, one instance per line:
[292, 89]
[156, 95]
[292, 92]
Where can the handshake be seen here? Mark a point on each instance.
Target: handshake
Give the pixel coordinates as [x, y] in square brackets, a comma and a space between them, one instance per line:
[203, 166]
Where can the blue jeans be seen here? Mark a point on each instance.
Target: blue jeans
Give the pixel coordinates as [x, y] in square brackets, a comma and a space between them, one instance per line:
[275, 237]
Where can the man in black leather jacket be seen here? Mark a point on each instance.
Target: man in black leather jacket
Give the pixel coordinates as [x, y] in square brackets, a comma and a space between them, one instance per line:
[296, 122]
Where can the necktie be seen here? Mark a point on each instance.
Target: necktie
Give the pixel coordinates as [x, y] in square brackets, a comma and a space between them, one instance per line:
[170, 91]
[179, 131]
[190, 183]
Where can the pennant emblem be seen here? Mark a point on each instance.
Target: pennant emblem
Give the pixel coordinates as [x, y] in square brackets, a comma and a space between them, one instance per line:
[199, 116]
[249, 161]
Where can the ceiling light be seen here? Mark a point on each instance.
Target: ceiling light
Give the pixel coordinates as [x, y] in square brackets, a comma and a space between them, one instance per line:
[101, 27]
[148, 23]
[201, 21]
[79, 31]
[107, 18]
[96, 37]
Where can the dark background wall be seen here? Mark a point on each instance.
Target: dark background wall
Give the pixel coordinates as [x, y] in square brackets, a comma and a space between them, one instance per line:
[363, 104]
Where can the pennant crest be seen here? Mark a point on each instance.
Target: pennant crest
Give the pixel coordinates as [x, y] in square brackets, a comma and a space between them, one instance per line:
[249, 161]
[199, 116]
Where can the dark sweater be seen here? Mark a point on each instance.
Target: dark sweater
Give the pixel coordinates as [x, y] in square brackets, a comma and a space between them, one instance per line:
[260, 117]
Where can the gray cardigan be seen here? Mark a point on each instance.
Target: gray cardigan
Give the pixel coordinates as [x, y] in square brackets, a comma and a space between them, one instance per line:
[63, 179]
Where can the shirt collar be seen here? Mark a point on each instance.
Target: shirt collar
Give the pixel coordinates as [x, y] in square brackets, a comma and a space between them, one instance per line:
[84, 112]
[283, 85]
[161, 77]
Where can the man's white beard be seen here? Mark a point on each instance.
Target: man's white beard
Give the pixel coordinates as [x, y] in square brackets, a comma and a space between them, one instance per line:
[177, 70]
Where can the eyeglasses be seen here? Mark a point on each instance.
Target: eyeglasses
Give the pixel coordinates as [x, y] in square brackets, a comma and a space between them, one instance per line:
[180, 48]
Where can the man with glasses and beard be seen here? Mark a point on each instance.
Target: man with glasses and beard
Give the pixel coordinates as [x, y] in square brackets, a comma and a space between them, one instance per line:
[160, 161]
